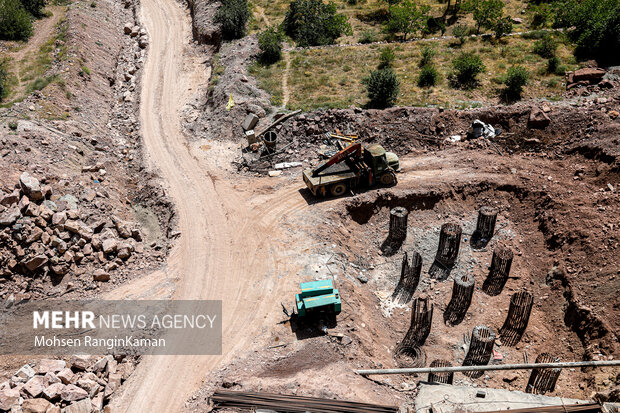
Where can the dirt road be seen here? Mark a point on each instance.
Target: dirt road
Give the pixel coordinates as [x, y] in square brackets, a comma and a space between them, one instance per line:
[224, 251]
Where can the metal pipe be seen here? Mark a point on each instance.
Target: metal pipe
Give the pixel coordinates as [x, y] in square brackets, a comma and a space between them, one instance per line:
[560, 365]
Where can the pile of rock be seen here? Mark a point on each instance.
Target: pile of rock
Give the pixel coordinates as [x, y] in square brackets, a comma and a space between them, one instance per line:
[42, 233]
[588, 76]
[82, 384]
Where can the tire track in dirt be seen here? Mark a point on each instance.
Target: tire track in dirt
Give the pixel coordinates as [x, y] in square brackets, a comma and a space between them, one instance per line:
[226, 249]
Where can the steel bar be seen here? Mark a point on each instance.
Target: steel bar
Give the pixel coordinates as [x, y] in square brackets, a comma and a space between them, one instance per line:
[543, 380]
[462, 292]
[421, 322]
[293, 404]
[447, 251]
[526, 366]
[445, 378]
[485, 227]
[409, 278]
[517, 318]
[480, 350]
[563, 408]
[499, 272]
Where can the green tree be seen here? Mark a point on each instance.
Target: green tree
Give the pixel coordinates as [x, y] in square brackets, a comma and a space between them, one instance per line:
[314, 23]
[466, 66]
[382, 88]
[594, 26]
[270, 44]
[502, 27]
[15, 21]
[428, 52]
[516, 78]
[460, 32]
[407, 17]
[486, 13]
[34, 7]
[232, 17]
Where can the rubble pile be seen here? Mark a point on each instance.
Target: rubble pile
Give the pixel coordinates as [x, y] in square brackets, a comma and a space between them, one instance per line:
[43, 234]
[82, 384]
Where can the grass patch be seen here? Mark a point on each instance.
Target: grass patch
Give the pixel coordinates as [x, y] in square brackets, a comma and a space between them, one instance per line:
[270, 79]
[331, 77]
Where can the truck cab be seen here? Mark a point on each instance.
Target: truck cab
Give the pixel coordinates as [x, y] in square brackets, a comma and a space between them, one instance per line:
[380, 160]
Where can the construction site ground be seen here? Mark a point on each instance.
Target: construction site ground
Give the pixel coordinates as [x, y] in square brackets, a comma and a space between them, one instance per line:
[249, 239]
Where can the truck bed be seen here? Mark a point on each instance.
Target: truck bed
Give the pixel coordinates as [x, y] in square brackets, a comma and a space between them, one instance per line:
[333, 174]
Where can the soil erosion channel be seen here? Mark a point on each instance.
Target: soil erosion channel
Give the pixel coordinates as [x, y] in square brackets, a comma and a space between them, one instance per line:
[224, 251]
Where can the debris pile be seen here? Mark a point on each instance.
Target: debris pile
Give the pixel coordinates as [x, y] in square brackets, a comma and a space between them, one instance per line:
[82, 384]
[43, 234]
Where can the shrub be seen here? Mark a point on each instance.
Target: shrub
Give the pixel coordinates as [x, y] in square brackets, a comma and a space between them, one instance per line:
[594, 25]
[406, 17]
[386, 57]
[428, 76]
[486, 13]
[314, 23]
[3, 77]
[368, 37]
[232, 17]
[382, 88]
[34, 7]
[15, 21]
[503, 27]
[427, 56]
[552, 64]
[460, 32]
[12, 125]
[516, 78]
[545, 47]
[541, 16]
[270, 43]
[466, 66]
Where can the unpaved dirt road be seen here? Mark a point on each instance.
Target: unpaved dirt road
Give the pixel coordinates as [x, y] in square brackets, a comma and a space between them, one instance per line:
[224, 251]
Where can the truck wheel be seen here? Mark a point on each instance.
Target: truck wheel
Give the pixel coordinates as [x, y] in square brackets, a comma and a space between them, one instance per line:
[338, 189]
[388, 178]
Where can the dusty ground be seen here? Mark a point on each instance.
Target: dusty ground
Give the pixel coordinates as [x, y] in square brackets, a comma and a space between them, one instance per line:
[249, 240]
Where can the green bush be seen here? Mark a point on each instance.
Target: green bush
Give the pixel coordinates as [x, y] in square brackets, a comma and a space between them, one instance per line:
[12, 124]
[270, 43]
[314, 23]
[427, 56]
[368, 37]
[466, 66]
[386, 57]
[15, 21]
[382, 88]
[34, 7]
[552, 64]
[428, 76]
[594, 25]
[541, 15]
[545, 47]
[407, 18]
[486, 13]
[3, 76]
[516, 78]
[232, 16]
[460, 32]
[502, 27]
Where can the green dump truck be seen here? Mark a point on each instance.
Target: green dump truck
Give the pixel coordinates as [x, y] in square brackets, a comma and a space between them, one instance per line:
[353, 166]
[318, 297]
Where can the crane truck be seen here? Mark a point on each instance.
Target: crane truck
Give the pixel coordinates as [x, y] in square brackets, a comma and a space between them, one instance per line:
[353, 166]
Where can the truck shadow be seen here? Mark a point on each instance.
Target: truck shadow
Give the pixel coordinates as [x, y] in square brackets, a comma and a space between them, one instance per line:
[312, 326]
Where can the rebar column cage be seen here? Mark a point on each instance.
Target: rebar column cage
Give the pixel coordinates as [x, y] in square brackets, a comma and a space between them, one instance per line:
[445, 377]
[485, 227]
[499, 272]
[410, 357]
[398, 224]
[543, 380]
[517, 318]
[421, 321]
[462, 292]
[447, 251]
[480, 350]
[409, 278]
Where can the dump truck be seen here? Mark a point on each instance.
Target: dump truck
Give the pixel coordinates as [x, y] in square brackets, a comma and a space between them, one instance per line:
[318, 297]
[353, 166]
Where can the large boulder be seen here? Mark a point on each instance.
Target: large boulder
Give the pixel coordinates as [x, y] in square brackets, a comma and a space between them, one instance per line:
[73, 393]
[53, 391]
[9, 216]
[31, 187]
[51, 366]
[35, 405]
[35, 386]
[590, 74]
[65, 375]
[83, 406]
[8, 398]
[538, 119]
[35, 262]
